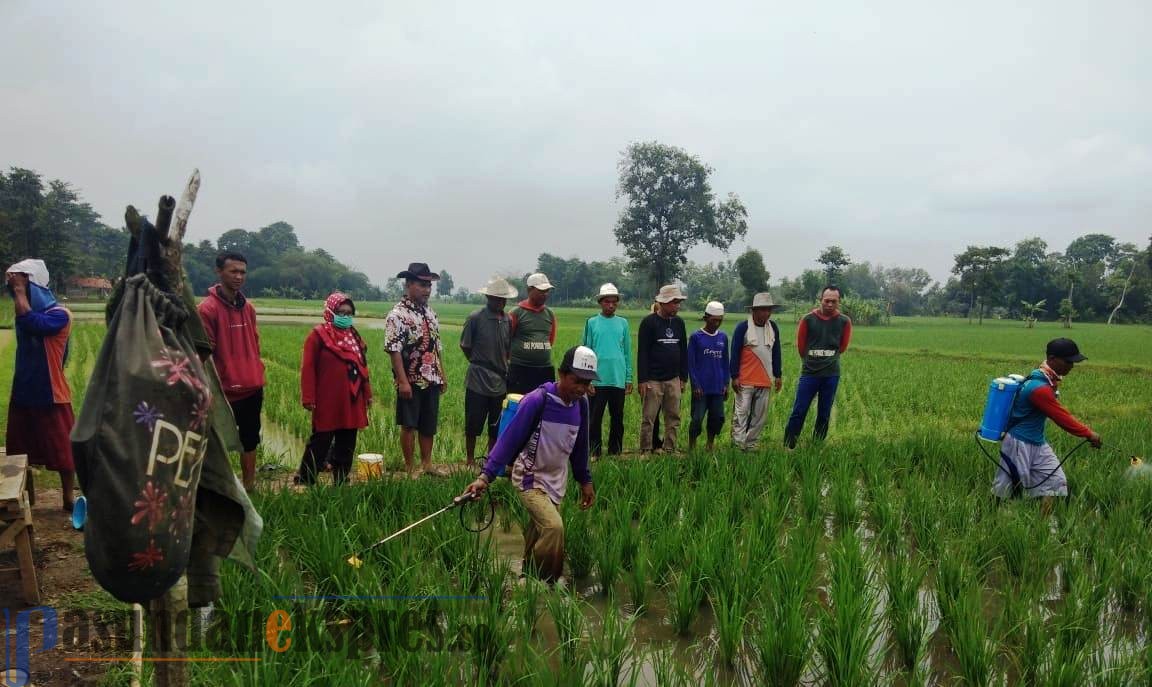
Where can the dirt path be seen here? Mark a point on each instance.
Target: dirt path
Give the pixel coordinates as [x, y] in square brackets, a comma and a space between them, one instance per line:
[67, 588]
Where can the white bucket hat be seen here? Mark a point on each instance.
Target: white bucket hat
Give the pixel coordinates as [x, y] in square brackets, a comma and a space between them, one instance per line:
[669, 293]
[606, 290]
[714, 309]
[539, 281]
[764, 300]
[498, 287]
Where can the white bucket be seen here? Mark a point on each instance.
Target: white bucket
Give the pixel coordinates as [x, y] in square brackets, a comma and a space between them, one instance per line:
[369, 466]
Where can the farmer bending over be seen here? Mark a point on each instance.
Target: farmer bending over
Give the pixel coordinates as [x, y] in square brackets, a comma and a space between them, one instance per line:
[550, 431]
[1028, 465]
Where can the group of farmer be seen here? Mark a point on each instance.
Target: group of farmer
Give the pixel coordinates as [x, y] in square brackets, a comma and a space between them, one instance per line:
[557, 429]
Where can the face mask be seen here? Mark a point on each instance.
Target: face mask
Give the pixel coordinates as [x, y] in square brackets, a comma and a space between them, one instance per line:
[342, 321]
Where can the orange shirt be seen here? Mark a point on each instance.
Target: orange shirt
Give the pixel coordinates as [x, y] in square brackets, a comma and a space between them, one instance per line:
[752, 372]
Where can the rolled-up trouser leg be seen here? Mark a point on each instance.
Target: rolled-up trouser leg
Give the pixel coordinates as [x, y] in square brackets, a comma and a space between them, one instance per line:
[544, 536]
[653, 397]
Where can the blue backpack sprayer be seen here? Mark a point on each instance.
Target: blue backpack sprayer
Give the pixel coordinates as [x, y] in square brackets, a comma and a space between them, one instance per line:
[997, 421]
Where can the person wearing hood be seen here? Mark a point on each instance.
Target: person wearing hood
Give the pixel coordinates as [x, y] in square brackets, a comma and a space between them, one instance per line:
[533, 326]
[230, 322]
[546, 440]
[335, 388]
[821, 338]
[40, 415]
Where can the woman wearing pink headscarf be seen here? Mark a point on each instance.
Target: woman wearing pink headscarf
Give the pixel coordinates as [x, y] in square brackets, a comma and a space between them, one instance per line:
[334, 386]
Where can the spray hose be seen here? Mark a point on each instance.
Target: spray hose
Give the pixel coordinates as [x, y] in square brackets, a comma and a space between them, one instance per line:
[1017, 481]
[458, 503]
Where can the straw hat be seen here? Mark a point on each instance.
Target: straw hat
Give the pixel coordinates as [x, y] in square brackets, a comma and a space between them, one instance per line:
[764, 300]
[669, 293]
[498, 287]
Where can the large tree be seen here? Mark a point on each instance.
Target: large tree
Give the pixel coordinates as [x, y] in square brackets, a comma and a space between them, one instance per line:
[670, 207]
[834, 260]
[753, 275]
[981, 272]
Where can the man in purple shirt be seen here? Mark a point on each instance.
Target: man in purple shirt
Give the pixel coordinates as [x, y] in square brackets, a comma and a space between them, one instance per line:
[548, 433]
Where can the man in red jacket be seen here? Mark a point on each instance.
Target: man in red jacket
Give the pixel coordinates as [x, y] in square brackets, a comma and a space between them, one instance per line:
[230, 321]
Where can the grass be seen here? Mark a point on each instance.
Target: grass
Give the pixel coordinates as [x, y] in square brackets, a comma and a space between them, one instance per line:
[806, 567]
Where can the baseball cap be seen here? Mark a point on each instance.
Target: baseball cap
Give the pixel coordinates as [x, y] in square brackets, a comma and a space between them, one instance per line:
[539, 281]
[1065, 349]
[580, 361]
[714, 309]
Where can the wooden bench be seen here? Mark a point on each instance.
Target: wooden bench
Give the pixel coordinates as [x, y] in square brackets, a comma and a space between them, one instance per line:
[16, 522]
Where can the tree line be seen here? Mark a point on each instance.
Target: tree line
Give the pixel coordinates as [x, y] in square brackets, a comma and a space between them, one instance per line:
[669, 207]
[49, 220]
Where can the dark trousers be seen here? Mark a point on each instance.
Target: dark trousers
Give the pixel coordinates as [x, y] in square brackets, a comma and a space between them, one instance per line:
[523, 380]
[806, 390]
[711, 405]
[612, 398]
[335, 448]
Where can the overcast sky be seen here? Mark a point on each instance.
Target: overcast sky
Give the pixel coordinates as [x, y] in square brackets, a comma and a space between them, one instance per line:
[476, 135]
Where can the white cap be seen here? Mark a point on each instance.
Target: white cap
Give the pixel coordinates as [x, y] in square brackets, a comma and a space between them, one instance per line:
[36, 270]
[714, 309]
[539, 281]
[606, 290]
[580, 361]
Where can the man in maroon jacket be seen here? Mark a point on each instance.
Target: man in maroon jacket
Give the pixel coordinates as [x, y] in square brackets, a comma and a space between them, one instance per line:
[230, 321]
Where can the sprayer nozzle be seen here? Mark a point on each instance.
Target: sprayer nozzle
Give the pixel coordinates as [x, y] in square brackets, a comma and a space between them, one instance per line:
[1137, 461]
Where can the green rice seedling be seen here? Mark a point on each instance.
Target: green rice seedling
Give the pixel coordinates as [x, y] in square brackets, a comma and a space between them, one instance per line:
[810, 494]
[845, 510]
[784, 635]
[1032, 647]
[638, 587]
[730, 609]
[972, 644]
[578, 545]
[686, 594]
[847, 630]
[669, 670]
[885, 517]
[609, 561]
[526, 602]
[611, 648]
[952, 575]
[907, 618]
[567, 613]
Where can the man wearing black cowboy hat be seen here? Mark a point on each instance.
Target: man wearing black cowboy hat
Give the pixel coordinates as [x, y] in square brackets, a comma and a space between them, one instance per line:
[412, 339]
[1028, 465]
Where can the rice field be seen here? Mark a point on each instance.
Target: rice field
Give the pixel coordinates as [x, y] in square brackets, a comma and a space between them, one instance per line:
[875, 558]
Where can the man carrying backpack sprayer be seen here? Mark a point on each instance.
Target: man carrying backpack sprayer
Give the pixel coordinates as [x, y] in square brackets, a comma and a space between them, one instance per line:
[1028, 465]
[607, 335]
[755, 370]
[708, 370]
[548, 433]
[821, 338]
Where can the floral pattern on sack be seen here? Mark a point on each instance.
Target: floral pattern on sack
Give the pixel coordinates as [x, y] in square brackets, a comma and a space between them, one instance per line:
[182, 515]
[148, 558]
[147, 415]
[151, 506]
[414, 332]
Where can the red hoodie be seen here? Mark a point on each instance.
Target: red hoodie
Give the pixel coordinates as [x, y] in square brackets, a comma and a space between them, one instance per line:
[235, 343]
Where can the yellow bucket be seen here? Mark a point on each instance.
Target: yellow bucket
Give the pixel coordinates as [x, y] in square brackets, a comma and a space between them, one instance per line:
[369, 466]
